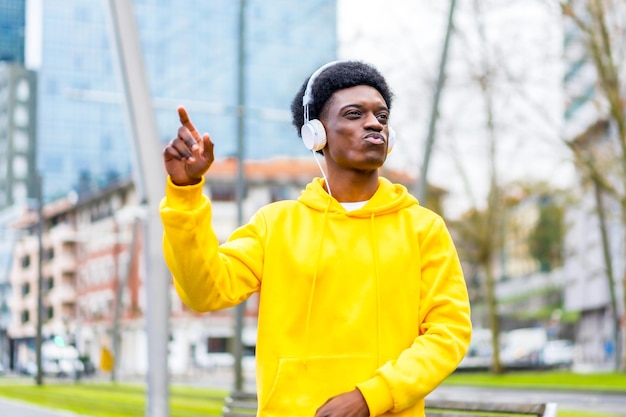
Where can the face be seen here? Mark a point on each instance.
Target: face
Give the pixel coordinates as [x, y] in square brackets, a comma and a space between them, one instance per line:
[356, 122]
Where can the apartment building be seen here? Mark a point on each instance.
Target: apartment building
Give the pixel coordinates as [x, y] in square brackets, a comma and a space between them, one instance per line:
[93, 272]
[56, 259]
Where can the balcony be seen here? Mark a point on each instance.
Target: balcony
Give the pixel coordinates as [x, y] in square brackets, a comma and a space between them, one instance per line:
[64, 263]
[61, 294]
[64, 232]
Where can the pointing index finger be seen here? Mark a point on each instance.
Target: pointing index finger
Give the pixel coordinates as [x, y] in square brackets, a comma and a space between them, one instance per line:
[186, 122]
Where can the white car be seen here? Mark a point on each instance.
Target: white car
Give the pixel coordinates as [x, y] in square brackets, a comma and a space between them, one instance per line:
[557, 354]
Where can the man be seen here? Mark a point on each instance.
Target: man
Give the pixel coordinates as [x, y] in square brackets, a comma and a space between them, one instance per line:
[363, 307]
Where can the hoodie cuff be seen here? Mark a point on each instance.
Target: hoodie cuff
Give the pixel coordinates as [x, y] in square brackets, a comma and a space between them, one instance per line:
[377, 396]
[184, 197]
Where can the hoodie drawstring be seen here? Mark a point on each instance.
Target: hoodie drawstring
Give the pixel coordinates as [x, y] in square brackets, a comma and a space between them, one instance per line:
[313, 284]
[377, 280]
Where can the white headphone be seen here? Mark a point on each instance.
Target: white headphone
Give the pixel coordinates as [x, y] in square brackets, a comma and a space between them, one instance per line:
[313, 132]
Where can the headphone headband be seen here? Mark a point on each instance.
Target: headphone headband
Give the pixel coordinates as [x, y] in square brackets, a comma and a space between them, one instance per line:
[307, 97]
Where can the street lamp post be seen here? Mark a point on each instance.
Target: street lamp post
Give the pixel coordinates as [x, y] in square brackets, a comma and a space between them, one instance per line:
[150, 181]
[241, 102]
[40, 226]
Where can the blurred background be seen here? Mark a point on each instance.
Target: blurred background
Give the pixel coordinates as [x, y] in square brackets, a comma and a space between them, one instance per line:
[510, 119]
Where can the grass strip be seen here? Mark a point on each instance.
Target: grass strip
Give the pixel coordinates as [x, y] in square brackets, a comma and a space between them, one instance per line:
[612, 382]
[114, 400]
[568, 413]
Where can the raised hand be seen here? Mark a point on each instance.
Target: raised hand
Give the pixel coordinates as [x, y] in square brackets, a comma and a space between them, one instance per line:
[188, 156]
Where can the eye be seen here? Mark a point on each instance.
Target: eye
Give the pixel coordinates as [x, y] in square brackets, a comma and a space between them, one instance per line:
[382, 117]
[353, 113]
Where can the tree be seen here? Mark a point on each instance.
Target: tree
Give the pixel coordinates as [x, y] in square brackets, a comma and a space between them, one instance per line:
[546, 239]
[599, 149]
[478, 229]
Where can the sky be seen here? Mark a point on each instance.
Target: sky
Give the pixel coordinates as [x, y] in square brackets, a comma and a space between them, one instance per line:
[523, 50]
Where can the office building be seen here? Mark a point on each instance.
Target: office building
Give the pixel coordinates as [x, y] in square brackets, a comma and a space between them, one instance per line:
[12, 20]
[18, 110]
[17, 157]
[190, 51]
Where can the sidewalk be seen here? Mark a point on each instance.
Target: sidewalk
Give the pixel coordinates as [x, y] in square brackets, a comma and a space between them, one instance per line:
[12, 408]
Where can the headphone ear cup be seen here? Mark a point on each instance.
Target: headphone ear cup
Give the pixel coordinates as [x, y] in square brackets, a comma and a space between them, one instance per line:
[313, 135]
[391, 140]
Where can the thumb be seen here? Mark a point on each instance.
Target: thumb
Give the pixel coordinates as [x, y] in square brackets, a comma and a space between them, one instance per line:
[207, 148]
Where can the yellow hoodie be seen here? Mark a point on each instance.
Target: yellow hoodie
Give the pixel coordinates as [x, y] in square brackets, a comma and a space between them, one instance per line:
[373, 298]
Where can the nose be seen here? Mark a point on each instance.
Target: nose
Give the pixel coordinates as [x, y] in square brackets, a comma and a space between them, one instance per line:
[372, 122]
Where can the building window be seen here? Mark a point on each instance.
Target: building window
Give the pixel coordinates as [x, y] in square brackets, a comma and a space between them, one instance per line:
[25, 316]
[25, 289]
[20, 116]
[50, 313]
[50, 283]
[223, 192]
[26, 261]
[19, 191]
[218, 344]
[20, 141]
[278, 193]
[22, 90]
[48, 254]
[20, 167]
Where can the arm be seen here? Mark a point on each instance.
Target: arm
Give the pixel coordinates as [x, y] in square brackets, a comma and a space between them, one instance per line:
[206, 276]
[444, 336]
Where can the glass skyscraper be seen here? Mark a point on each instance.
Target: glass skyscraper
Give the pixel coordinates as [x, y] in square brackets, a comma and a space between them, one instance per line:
[190, 50]
[12, 20]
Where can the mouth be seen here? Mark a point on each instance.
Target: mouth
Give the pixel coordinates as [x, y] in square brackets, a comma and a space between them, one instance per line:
[375, 138]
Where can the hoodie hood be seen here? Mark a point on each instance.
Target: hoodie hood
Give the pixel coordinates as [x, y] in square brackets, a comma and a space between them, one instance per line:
[388, 198]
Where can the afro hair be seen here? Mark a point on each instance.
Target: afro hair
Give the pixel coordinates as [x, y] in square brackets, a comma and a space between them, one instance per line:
[343, 74]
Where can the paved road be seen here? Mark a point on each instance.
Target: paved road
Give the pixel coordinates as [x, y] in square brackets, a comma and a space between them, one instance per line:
[10, 408]
[600, 402]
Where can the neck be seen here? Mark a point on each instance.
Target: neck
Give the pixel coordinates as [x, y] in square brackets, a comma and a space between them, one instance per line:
[352, 186]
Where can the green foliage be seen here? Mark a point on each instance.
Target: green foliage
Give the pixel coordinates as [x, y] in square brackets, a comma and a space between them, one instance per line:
[546, 239]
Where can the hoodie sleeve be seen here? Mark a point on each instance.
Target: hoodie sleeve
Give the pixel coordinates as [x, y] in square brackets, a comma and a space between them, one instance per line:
[206, 276]
[444, 335]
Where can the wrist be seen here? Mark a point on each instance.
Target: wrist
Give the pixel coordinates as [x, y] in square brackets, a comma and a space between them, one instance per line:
[183, 183]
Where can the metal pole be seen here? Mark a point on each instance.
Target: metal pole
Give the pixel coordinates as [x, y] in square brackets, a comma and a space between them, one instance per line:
[121, 281]
[150, 182]
[422, 188]
[40, 226]
[115, 335]
[241, 100]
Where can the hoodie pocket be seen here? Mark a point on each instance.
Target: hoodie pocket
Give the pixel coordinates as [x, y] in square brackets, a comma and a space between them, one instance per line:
[301, 386]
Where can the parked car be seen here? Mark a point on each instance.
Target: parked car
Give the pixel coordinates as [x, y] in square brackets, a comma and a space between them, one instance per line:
[557, 354]
[479, 354]
[56, 361]
[522, 347]
[28, 368]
